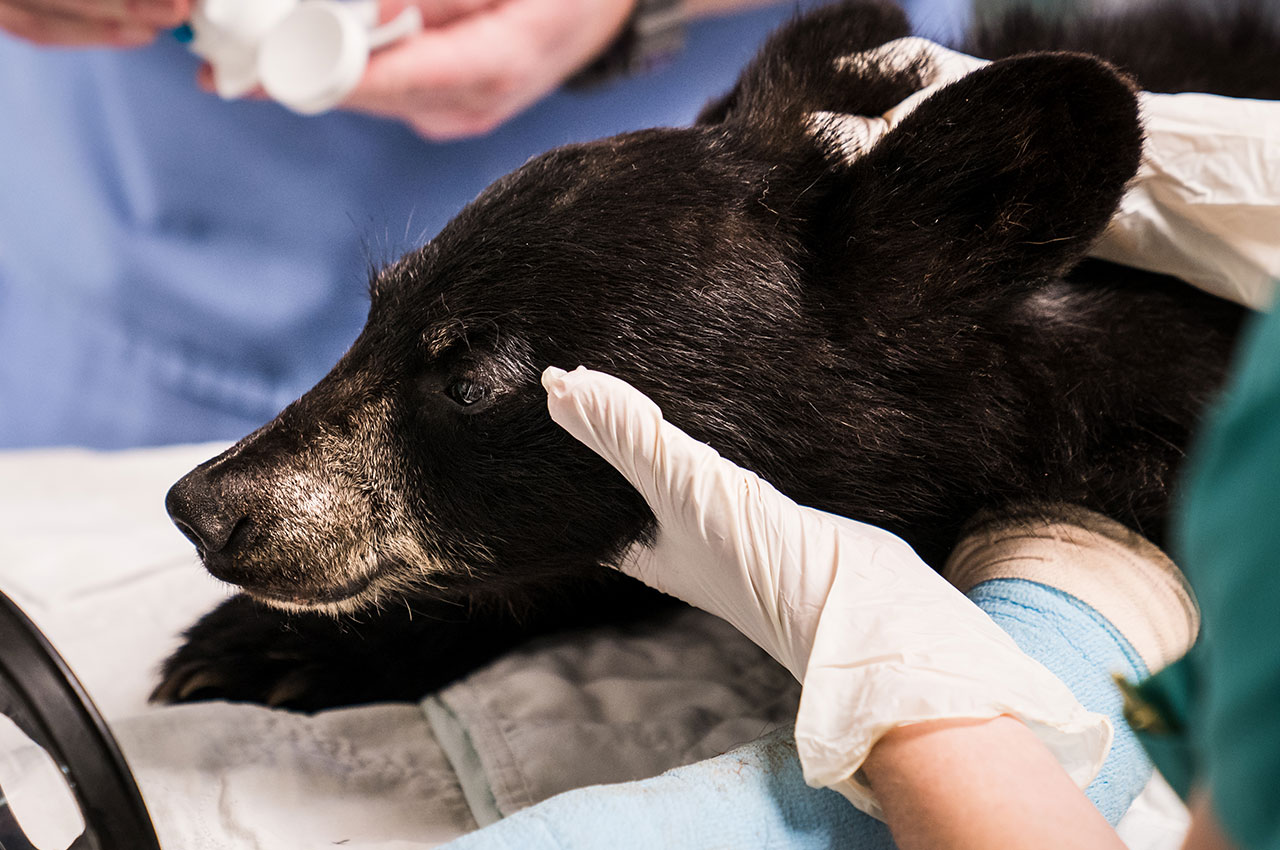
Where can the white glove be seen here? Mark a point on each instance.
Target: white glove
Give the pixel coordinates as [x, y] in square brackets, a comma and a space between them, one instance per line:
[1204, 206]
[878, 639]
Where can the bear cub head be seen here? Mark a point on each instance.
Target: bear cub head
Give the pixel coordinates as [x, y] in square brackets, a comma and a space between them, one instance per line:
[840, 321]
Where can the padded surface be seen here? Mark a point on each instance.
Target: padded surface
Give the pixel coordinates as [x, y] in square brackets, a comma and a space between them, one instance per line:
[87, 551]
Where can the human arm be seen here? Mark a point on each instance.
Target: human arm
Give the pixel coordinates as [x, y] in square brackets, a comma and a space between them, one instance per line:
[932, 778]
[84, 23]
[962, 784]
[707, 8]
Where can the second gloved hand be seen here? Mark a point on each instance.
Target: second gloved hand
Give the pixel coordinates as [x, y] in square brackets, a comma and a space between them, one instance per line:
[878, 638]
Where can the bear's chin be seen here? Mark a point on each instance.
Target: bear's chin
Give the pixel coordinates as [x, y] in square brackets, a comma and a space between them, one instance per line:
[339, 599]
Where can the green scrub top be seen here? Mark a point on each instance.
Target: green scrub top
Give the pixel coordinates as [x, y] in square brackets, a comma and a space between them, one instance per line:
[1213, 719]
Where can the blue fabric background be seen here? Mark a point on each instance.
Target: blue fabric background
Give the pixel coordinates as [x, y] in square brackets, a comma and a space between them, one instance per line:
[176, 268]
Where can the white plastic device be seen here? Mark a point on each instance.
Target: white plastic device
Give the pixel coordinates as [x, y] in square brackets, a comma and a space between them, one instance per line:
[306, 54]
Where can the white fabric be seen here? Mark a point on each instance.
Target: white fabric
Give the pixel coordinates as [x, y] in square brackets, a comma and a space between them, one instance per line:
[88, 553]
[1204, 206]
[220, 776]
[877, 637]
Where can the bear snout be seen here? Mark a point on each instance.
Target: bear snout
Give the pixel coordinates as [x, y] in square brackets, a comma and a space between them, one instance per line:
[216, 522]
[287, 525]
[210, 511]
[207, 521]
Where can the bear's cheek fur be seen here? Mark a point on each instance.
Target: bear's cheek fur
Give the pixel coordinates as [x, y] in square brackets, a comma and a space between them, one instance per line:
[506, 498]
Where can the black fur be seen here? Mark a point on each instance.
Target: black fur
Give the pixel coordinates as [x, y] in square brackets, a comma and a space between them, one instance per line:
[905, 338]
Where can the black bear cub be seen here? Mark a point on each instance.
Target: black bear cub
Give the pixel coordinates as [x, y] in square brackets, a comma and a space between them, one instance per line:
[906, 336]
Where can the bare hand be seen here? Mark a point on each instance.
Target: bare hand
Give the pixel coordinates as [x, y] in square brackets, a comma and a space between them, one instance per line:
[83, 23]
[479, 62]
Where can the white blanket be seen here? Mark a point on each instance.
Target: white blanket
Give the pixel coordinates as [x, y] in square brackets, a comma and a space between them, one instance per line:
[87, 551]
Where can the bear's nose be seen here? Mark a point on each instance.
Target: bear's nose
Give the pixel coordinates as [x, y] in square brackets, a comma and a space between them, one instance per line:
[206, 520]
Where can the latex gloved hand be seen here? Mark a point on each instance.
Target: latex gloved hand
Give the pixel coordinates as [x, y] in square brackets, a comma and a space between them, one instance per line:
[81, 23]
[878, 639]
[1204, 206]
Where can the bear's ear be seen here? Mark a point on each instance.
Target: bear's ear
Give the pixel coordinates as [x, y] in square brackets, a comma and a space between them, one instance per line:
[1002, 178]
[799, 71]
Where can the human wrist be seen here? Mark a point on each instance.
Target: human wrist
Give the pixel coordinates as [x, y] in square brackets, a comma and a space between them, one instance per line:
[709, 8]
[651, 36]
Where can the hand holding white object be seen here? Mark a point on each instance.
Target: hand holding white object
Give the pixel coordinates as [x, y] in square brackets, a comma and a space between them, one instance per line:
[306, 55]
[1205, 203]
[878, 638]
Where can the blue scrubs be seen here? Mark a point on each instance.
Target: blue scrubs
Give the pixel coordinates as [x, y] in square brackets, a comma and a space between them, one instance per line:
[175, 268]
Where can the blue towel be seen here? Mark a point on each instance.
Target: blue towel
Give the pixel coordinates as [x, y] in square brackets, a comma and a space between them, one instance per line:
[755, 796]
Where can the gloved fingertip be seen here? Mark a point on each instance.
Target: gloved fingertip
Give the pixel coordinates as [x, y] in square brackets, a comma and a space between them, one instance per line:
[565, 390]
[579, 402]
[608, 415]
[553, 378]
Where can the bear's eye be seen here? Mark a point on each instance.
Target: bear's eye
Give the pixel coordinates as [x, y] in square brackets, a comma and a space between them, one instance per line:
[465, 392]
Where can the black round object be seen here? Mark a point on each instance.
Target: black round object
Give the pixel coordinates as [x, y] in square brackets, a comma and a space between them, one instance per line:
[44, 699]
